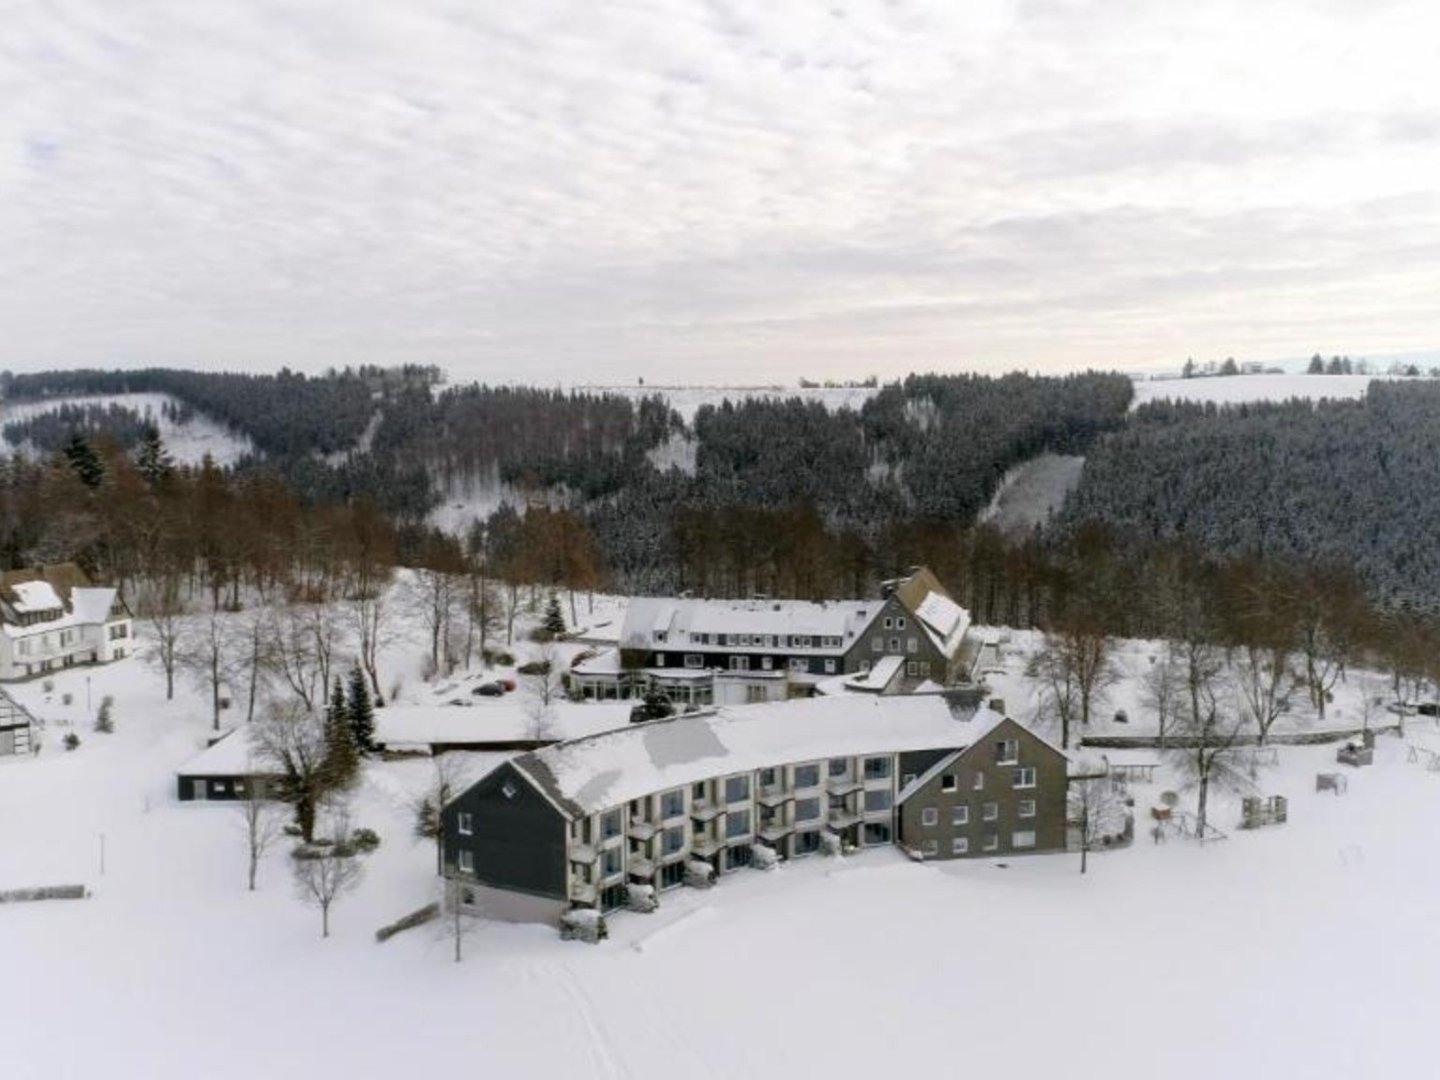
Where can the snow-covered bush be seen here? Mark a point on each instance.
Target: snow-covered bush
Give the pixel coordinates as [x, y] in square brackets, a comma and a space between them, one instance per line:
[71, 741]
[764, 858]
[364, 840]
[104, 721]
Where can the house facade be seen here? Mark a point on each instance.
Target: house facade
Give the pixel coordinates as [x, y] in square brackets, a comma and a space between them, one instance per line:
[51, 618]
[16, 727]
[226, 771]
[577, 824]
[733, 652]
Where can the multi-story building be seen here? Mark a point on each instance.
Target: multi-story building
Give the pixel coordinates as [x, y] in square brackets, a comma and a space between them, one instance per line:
[51, 617]
[731, 652]
[575, 824]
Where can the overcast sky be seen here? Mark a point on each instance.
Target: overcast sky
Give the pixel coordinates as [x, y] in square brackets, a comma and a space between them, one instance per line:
[716, 191]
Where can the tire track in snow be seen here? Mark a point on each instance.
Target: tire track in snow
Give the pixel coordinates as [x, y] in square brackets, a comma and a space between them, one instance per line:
[605, 1058]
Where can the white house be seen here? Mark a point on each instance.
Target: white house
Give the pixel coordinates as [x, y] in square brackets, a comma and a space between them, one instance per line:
[51, 617]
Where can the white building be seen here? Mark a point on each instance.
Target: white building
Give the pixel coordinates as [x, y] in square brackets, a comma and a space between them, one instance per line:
[51, 617]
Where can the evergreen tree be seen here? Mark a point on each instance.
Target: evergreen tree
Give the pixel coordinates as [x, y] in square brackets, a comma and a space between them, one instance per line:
[554, 618]
[151, 457]
[360, 711]
[342, 754]
[82, 458]
[1317, 365]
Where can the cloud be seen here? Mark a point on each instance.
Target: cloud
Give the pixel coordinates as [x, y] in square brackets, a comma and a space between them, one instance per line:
[560, 192]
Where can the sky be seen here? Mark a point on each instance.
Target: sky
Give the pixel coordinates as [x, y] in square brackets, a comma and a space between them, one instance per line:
[716, 190]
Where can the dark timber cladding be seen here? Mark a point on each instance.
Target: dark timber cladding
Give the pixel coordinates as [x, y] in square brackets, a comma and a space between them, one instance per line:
[515, 837]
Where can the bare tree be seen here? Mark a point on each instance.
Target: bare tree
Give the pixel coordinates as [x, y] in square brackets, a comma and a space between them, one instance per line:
[369, 615]
[204, 652]
[447, 779]
[251, 647]
[260, 818]
[1264, 683]
[163, 606]
[295, 658]
[1160, 688]
[459, 926]
[1097, 810]
[290, 739]
[1057, 691]
[1206, 741]
[434, 599]
[540, 690]
[324, 873]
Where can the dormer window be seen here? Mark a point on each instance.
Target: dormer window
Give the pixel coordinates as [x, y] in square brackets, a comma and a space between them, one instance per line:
[660, 636]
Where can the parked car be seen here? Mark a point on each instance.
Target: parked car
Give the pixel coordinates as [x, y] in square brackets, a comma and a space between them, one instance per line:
[489, 689]
[508, 685]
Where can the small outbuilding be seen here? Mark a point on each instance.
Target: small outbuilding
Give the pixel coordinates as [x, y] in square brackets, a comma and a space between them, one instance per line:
[227, 770]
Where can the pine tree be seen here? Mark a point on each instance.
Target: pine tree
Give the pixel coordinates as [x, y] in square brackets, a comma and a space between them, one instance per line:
[81, 458]
[554, 618]
[342, 755]
[151, 458]
[360, 711]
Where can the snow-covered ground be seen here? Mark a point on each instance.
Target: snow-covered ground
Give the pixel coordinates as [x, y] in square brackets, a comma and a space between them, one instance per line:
[1308, 949]
[1031, 492]
[188, 443]
[687, 400]
[1233, 389]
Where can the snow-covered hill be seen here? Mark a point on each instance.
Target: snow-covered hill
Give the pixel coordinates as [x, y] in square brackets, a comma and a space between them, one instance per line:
[1233, 389]
[188, 443]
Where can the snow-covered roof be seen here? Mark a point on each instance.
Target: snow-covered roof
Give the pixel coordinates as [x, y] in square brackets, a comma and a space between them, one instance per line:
[878, 677]
[681, 619]
[492, 720]
[232, 754]
[33, 596]
[944, 621]
[91, 605]
[593, 774]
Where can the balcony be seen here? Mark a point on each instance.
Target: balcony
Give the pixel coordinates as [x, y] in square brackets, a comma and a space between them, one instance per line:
[704, 845]
[842, 819]
[704, 811]
[641, 830]
[582, 892]
[774, 830]
[842, 785]
[641, 867]
[582, 853]
[774, 796]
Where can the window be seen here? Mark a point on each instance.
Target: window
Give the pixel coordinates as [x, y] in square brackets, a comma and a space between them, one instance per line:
[877, 799]
[673, 839]
[610, 825]
[1026, 808]
[739, 663]
[911, 668]
[466, 861]
[800, 641]
[697, 791]
[960, 845]
[737, 789]
[754, 695]
[610, 861]
[960, 815]
[807, 809]
[947, 782]
[737, 823]
[978, 784]
[829, 667]
[1022, 840]
[930, 847]
[992, 842]
[659, 659]
[660, 637]
[929, 816]
[672, 804]
[463, 824]
[839, 766]
[991, 811]
[766, 663]
[877, 768]
[799, 663]
[807, 776]
[1024, 778]
[907, 779]
[509, 790]
[924, 666]
[864, 665]
[900, 622]
[694, 660]
[120, 631]
[876, 832]
[911, 645]
[1007, 752]
[894, 645]
[888, 623]
[877, 644]
[768, 777]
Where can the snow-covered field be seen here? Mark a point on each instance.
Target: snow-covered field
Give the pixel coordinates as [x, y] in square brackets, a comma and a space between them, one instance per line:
[687, 400]
[1308, 949]
[1031, 492]
[1233, 389]
[188, 443]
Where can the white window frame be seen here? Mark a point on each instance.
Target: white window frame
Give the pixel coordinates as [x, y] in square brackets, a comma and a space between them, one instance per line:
[465, 861]
[949, 781]
[899, 622]
[1025, 808]
[1024, 777]
[694, 660]
[978, 784]
[464, 824]
[960, 845]
[990, 812]
[960, 815]
[929, 817]
[1023, 839]
[1007, 752]
[930, 847]
[991, 842]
